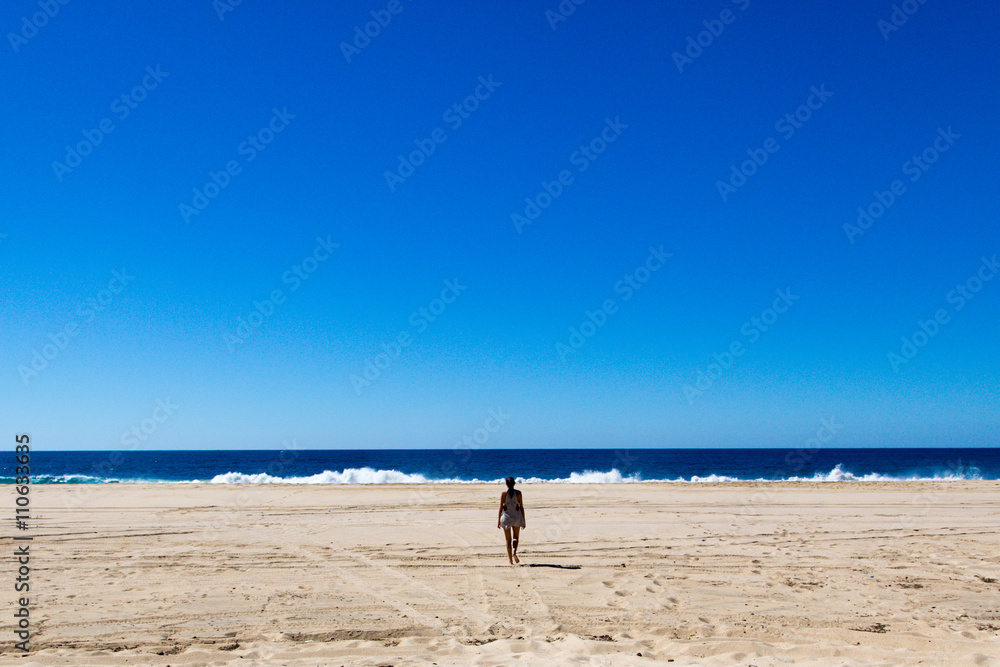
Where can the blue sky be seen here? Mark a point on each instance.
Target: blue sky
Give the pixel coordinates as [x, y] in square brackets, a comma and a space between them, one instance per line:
[249, 158]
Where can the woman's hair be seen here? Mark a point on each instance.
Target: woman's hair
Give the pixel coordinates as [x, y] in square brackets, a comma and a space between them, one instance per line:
[510, 483]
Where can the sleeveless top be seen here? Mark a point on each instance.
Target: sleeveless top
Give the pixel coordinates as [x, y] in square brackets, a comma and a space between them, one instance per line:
[512, 515]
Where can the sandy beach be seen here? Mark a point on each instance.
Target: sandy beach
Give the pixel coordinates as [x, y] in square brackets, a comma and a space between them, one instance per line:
[612, 574]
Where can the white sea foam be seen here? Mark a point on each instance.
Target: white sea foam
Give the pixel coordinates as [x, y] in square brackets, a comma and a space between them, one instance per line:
[711, 479]
[585, 477]
[372, 476]
[838, 474]
[347, 476]
[613, 476]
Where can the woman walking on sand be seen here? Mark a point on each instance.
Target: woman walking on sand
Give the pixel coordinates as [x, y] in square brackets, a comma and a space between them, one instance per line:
[511, 518]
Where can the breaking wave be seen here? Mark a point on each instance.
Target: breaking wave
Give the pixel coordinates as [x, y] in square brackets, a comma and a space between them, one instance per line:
[372, 476]
[838, 474]
[613, 476]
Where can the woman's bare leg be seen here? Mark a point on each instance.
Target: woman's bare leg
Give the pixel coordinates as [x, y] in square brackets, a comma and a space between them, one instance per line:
[506, 534]
[517, 531]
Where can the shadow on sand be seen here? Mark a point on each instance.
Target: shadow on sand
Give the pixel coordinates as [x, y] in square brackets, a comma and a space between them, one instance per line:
[558, 567]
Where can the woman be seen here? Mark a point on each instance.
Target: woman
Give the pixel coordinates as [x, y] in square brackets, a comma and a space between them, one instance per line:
[511, 518]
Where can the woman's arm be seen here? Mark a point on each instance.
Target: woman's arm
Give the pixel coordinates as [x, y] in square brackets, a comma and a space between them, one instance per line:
[520, 499]
[503, 497]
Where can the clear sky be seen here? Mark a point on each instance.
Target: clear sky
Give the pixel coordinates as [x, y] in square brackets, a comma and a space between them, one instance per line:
[508, 169]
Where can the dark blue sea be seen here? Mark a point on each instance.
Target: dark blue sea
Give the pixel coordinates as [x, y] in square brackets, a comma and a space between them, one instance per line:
[310, 466]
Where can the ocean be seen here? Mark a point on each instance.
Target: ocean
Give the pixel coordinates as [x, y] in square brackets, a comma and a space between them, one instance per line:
[528, 466]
